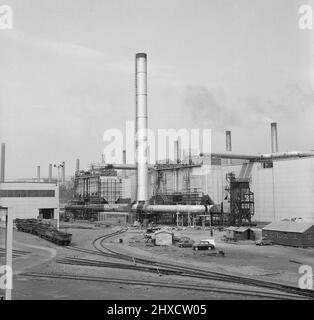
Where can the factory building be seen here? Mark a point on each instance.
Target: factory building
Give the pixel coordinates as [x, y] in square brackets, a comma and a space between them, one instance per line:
[30, 199]
[213, 188]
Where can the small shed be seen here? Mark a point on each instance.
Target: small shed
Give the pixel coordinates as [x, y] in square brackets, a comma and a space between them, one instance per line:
[288, 233]
[163, 238]
[242, 233]
[230, 232]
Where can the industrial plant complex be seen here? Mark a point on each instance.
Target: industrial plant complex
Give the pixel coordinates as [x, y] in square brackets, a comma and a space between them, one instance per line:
[223, 204]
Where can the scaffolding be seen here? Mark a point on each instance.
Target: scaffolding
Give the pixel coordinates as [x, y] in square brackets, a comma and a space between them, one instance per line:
[241, 200]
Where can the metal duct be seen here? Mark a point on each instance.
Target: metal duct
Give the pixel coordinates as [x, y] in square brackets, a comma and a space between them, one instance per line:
[141, 126]
[262, 157]
[50, 173]
[38, 173]
[274, 137]
[77, 165]
[176, 208]
[2, 176]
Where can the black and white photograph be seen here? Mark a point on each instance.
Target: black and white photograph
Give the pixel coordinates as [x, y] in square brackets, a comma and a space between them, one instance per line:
[156, 155]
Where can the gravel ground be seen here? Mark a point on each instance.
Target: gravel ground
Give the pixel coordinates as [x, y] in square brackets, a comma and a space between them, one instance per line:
[245, 259]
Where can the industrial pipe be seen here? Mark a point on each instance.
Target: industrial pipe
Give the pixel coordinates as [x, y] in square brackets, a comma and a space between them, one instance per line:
[262, 157]
[177, 208]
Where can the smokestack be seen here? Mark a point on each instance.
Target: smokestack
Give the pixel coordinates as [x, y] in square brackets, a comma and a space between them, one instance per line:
[38, 173]
[228, 144]
[141, 125]
[124, 162]
[63, 172]
[2, 176]
[274, 137]
[228, 141]
[177, 151]
[77, 165]
[50, 173]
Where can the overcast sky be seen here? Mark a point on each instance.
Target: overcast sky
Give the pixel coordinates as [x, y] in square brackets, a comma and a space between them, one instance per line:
[67, 75]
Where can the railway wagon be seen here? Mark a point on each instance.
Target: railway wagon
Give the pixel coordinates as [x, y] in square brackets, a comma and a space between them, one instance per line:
[44, 230]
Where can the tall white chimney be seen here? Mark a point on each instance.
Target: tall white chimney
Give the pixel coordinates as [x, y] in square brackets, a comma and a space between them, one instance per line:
[2, 176]
[274, 137]
[141, 126]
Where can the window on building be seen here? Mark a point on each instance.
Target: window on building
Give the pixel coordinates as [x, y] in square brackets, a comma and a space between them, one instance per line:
[27, 193]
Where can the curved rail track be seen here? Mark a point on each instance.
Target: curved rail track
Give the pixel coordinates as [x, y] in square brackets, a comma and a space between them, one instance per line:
[141, 264]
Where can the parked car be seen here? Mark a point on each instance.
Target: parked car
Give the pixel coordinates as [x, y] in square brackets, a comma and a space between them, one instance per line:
[264, 242]
[185, 242]
[204, 245]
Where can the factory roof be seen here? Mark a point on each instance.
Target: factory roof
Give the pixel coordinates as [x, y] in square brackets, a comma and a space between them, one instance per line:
[242, 229]
[289, 226]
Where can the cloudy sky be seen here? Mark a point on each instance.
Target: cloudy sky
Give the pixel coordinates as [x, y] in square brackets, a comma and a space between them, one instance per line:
[67, 75]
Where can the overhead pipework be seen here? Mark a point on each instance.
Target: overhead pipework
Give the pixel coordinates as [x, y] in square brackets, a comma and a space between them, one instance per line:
[274, 137]
[141, 127]
[2, 176]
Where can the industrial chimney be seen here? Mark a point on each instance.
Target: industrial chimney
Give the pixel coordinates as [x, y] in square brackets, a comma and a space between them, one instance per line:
[124, 162]
[38, 173]
[50, 173]
[77, 165]
[63, 172]
[274, 137]
[228, 141]
[2, 176]
[141, 126]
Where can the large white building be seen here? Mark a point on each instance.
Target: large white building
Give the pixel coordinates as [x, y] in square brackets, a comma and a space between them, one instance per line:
[30, 199]
[284, 190]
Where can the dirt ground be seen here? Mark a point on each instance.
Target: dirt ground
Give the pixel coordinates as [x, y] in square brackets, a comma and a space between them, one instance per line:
[271, 262]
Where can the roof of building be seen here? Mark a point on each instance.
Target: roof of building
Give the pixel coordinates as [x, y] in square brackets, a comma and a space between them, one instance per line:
[289, 226]
[163, 231]
[232, 228]
[242, 229]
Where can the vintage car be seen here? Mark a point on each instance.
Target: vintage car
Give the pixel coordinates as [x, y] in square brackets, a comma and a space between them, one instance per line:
[185, 242]
[264, 242]
[208, 244]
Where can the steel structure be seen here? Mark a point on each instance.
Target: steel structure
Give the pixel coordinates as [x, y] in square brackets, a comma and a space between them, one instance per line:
[241, 201]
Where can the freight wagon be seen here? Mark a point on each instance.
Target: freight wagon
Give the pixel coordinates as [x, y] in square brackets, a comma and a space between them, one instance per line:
[43, 230]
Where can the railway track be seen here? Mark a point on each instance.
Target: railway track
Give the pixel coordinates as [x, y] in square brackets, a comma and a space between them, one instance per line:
[162, 284]
[171, 268]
